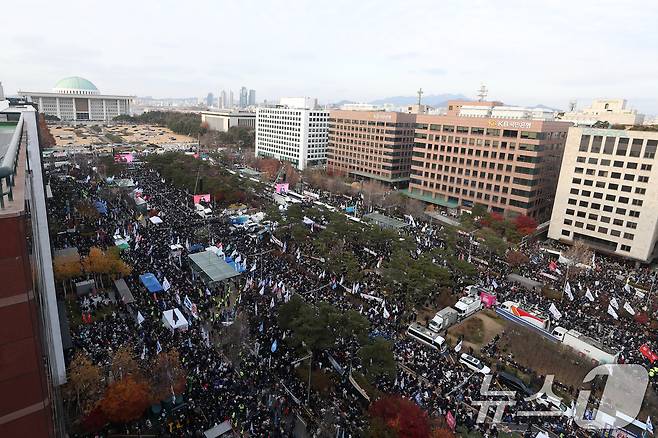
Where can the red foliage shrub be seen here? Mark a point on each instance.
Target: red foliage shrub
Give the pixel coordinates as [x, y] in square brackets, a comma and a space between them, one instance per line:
[402, 416]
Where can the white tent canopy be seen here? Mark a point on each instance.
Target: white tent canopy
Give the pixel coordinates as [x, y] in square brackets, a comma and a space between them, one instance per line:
[168, 320]
[155, 220]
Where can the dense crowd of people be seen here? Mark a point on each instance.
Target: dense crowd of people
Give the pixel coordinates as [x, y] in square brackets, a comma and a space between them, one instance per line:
[260, 393]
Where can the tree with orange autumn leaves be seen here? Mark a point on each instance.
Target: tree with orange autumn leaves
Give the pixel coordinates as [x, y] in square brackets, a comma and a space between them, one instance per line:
[125, 400]
[130, 390]
[397, 416]
[100, 263]
[66, 269]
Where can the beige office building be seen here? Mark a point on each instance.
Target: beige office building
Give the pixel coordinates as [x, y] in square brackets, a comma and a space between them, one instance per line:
[607, 194]
[223, 120]
[503, 157]
[613, 111]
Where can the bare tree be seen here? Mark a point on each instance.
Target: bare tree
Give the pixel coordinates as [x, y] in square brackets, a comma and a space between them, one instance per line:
[414, 207]
[579, 253]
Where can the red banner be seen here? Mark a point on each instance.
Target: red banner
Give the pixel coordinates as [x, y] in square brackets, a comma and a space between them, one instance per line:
[204, 198]
[450, 419]
[646, 352]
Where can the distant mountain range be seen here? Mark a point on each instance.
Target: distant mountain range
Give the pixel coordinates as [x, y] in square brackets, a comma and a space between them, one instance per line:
[436, 100]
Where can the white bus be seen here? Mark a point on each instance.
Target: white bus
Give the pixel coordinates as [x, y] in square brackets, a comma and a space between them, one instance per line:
[426, 336]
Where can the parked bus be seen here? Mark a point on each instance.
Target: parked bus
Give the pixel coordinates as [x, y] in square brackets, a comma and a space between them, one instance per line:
[426, 336]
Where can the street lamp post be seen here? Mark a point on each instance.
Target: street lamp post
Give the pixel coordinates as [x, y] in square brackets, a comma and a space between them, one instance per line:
[309, 356]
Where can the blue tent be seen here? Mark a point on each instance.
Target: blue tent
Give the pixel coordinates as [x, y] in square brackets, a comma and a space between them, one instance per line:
[150, 282]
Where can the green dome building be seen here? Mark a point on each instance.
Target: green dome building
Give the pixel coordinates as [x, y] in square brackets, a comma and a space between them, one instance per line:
[76, 99]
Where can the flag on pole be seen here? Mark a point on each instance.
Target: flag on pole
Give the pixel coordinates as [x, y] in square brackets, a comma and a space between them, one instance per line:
[386, 314]
[458, 347]
[629, 309]
[166, 285]
[187, 302]
[158, 347]
[143, 352]
[274, 346]
[272, 303]
[140, 318]
[588, 295]
[567, 290]
[649, 425]
[253, 268]
[614, 303]
[494, 284]
[554, 311]
[611, 312]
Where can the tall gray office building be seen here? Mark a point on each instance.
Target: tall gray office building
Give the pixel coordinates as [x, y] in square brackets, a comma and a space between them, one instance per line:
[252, 97]
[243, 97]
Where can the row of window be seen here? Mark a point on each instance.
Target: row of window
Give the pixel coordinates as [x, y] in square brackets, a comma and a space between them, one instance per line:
[474, 130]
[612, 245]
[370, 123]
[620, 146]
[600, 229]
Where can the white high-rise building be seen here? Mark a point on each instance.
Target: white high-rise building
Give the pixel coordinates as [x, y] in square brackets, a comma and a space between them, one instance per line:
[613, 111]
[296, 130]
[223, 100]
[607, 194]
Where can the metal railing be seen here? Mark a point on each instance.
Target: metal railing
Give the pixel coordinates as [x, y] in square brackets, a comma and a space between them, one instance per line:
[9, 163]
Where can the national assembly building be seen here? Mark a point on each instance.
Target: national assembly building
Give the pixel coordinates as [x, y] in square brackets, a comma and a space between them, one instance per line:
[77, 99]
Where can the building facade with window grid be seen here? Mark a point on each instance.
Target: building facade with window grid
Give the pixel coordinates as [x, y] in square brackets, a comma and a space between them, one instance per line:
[607, 195]
[371, 145]
[75, 99]
[297, 135]
[510, 165]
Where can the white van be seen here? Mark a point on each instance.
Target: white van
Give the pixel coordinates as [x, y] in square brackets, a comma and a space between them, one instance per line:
[474, 364]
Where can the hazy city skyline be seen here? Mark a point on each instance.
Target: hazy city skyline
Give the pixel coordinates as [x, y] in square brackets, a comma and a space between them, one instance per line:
[549, 53]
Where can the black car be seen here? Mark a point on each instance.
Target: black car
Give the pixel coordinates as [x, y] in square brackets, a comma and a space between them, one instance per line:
[513, 382]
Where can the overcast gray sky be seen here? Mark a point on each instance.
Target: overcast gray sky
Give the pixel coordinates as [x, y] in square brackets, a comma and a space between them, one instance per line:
[527, 52]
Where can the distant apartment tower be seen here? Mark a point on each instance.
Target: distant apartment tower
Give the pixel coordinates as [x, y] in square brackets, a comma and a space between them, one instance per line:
[613, 111]
[32, 364]
[252, 98]
[244, 98]
[231, 100]
[607, 195]
[223, 100]
[296, 130]
[371, 145]
[505, 158]
[210, 100]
